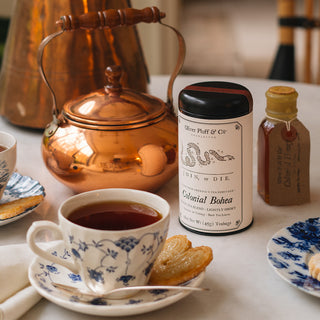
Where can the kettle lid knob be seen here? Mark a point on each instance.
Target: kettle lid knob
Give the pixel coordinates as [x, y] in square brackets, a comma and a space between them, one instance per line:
[113, 74]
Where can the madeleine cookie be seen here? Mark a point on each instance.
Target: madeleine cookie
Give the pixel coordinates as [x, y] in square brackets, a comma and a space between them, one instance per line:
[314, 266]
[13, 208]
[178, 262]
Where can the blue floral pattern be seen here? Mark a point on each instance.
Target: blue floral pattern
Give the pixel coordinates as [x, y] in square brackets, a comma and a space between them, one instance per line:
[289, 251]
[20, 187]
[42, 274]
[4, 173]
[109, 251]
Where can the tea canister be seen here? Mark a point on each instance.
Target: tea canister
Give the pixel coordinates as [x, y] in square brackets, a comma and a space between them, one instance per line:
[215, 157]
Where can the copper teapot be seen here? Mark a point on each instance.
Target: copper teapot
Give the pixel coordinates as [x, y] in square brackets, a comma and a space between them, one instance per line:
[114, 137]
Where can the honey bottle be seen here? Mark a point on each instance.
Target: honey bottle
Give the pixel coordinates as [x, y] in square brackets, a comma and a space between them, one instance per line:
[283, 151]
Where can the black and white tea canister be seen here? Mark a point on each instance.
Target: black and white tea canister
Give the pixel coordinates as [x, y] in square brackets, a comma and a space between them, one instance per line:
[215, 158]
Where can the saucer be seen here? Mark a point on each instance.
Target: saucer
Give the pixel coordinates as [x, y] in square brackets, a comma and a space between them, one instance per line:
[289, 251]
[42, 273]
[20, 187]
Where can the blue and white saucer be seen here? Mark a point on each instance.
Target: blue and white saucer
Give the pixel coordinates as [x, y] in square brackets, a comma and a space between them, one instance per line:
[289, 251]
[42, 273]
[20, 187]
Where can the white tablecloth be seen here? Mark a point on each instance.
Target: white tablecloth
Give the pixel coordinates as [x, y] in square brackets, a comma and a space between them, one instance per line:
[243, 285]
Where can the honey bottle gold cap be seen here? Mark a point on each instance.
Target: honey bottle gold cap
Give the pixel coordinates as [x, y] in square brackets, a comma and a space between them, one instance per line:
[282, 102]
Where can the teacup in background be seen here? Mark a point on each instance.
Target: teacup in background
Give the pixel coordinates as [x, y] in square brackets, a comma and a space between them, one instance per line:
[8, 159]
[107, 259]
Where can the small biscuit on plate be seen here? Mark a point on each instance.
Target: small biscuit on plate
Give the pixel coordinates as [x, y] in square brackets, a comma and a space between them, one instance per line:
[314, 266]
[14, 208]
[178, 262]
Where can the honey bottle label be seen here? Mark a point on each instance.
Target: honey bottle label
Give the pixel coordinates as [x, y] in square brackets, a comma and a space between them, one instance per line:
[289, 158]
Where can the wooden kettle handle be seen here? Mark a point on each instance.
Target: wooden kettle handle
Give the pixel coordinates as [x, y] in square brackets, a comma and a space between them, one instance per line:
[110, 18]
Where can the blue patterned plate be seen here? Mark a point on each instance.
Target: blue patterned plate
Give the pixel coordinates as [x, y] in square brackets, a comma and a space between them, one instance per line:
[42, 273]
[20, 187]
[289, 251]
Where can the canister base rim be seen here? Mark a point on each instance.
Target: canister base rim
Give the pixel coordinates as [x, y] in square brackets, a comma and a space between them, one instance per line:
[217, 233]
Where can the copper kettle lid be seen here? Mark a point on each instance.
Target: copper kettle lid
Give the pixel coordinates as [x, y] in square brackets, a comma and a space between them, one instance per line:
[115, 106]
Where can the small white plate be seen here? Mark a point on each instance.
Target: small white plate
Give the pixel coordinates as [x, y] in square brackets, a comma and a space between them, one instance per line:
[42, 273]
[289, 251]
[20, 187]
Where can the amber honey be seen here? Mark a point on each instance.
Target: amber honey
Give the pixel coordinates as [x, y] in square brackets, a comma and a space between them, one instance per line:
[283, 151]
[263, 158]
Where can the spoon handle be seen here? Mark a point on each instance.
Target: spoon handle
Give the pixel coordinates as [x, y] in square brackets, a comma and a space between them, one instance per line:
[74, 290]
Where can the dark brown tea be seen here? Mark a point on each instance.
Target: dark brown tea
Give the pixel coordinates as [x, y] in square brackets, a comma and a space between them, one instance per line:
[2, 148]
[114, 215]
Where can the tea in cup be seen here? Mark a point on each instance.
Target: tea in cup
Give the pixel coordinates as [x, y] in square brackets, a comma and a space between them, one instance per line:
[114, 236]
[8, 157]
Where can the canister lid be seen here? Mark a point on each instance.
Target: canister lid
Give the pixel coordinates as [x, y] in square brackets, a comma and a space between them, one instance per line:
[215, 100]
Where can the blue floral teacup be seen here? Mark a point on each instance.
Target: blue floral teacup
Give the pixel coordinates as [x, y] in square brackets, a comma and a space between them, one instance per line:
[8, 155]
[107, 259]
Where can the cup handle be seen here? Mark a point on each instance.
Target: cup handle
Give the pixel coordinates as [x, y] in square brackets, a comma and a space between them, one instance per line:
[35, 228]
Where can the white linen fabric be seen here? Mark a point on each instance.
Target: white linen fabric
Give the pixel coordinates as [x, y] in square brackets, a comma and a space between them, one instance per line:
[17, 296]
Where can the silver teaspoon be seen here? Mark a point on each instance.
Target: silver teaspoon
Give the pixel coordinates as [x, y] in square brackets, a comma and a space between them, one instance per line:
[92, 295]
